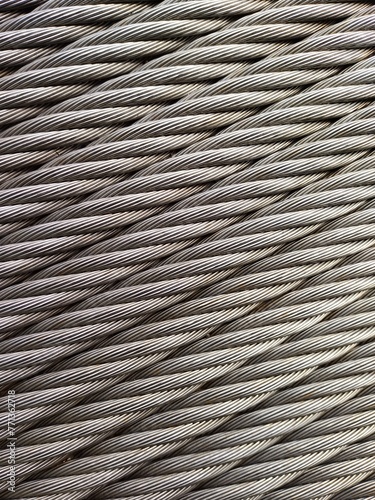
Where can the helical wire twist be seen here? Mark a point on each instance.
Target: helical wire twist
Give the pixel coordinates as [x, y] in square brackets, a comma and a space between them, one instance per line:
[187, 258]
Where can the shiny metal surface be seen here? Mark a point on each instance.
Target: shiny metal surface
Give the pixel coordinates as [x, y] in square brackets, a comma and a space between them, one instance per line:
[187, 248]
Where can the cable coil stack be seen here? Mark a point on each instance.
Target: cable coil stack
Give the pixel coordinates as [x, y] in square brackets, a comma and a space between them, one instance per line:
[188, 249]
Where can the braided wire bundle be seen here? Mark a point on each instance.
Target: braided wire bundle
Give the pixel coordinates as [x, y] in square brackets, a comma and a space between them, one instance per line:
[187, 287]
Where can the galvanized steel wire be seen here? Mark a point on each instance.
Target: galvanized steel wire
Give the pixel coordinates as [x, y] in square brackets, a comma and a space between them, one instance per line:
[188, 248]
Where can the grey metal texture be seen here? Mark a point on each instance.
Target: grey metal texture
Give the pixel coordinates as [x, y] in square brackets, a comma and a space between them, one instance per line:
[187, 256]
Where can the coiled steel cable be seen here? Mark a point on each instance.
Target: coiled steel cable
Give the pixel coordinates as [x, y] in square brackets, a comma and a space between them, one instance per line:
[221, 346]
[29, 207]
[212, 61]
[101, 255]
[216, 359]
[108, 52]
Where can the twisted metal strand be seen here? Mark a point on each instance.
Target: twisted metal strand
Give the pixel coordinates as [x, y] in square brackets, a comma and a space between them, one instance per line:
[265, 300]
[340, 433]
[156, 201]
[362, 491]
[194, 62]
[34, 34]
[74, 331]
[95, 183]
[14, 5]
[217, 358]
[38, 34]
[256, 417]
[110, 52]
[180, 217]
[89, 329]
[136, 33]
[117, 217]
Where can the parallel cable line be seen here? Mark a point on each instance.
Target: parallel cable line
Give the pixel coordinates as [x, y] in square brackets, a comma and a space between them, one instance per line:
[174, 69]
[180, 217]
[106, 52]
[187, 256]
[178, 362]
[208, 69]
[163, 193]
[343, 387]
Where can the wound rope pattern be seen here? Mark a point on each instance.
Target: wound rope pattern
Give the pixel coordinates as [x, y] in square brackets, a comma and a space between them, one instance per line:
[187, 251]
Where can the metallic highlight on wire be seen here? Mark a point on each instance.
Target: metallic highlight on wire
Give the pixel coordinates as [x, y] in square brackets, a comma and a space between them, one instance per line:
[187, 258]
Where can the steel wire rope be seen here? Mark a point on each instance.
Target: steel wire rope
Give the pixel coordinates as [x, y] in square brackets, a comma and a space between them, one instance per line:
[332, 248]
[96, 353]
